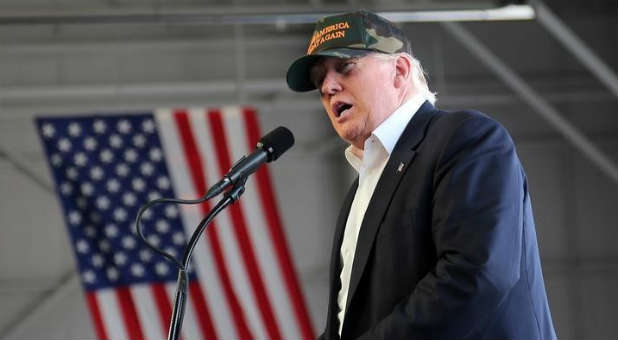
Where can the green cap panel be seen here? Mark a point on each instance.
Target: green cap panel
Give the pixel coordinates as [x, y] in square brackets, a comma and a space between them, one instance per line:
[346, 35]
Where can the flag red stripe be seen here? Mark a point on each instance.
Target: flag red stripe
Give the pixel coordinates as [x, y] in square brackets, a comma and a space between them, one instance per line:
[199, 181]
[95, 312]
[240, 229]
[276, 231]
[164, 307]
[201, 310]
[129, 313]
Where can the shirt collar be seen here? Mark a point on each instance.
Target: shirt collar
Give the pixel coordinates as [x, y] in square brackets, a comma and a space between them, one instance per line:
[389, 131]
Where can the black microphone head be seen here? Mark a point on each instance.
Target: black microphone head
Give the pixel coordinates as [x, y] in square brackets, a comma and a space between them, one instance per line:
[276, 142]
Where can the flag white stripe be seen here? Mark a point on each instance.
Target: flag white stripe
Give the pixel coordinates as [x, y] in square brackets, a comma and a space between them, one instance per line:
[111, 314]
[191, 215]
[229, 244]
[211, 285]
[258, 230]
[147, 312]
[174, 155]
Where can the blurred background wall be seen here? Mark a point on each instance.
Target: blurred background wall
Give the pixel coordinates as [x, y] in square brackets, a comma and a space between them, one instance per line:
[56, 57]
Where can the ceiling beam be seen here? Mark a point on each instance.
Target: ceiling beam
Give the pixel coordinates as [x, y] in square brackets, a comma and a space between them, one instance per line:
[237, 15]
[550, 114]
[25, 102]
[576, 46]
[91, 46]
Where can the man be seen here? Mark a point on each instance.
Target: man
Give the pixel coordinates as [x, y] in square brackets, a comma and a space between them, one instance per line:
[436, 237]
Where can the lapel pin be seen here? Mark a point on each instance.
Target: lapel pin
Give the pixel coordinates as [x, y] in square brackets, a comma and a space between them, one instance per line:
[400, 167]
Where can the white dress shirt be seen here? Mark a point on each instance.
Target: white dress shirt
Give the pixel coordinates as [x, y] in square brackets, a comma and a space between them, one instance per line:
[377, 150]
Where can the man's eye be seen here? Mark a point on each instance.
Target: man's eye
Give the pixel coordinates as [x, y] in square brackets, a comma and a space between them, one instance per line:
[346, 66]
[317, 77]
[318, 84]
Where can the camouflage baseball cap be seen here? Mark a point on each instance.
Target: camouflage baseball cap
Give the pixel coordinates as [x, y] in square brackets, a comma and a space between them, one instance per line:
[347, 35]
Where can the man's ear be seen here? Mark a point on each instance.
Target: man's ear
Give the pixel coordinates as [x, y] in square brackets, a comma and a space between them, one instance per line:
[403, 71]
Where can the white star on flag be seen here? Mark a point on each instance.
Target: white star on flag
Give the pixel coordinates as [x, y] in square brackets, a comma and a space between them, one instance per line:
[48, 131]
[64, 145]
[99, 126]
[74, 130]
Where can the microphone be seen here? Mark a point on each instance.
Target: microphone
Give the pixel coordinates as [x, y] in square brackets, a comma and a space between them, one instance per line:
[268, 149]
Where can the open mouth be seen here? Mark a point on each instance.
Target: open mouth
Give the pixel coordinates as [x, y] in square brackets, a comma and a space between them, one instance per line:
[340, 107]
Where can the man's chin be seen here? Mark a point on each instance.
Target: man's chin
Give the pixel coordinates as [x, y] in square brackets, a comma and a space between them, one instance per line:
[353, 139]
[346, 136]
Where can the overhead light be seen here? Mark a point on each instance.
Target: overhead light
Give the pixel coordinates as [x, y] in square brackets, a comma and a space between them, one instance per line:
[508, 12]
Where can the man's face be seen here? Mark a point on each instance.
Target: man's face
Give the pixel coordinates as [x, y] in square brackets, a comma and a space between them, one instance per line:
[358, 94]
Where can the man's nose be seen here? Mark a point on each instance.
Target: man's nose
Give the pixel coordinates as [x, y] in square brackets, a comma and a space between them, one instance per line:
[331, 83]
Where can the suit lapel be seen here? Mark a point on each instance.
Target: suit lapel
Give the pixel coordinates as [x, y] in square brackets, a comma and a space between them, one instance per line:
[335, 266]
[399, 161]
[341, 222]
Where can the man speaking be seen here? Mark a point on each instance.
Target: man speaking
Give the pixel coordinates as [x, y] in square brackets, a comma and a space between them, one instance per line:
[436, 237]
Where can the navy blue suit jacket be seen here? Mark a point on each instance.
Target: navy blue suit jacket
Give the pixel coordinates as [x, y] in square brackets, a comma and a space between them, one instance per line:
[447, 247]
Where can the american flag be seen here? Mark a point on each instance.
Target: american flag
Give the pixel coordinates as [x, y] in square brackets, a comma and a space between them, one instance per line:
[242, 280]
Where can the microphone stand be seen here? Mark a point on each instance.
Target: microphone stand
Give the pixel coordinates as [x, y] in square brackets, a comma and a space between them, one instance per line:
[183, 278]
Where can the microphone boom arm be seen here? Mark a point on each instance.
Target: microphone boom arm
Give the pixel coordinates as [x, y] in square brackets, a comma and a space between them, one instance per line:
[230, 197]
[268, 149]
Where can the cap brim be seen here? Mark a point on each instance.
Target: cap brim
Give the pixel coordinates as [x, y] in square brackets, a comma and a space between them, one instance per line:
[298, 76]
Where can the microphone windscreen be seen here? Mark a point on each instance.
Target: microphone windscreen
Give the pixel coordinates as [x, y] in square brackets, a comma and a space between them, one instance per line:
[276, 142]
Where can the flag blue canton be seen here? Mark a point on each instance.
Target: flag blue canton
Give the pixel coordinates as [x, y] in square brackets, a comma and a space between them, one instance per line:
[105, 167]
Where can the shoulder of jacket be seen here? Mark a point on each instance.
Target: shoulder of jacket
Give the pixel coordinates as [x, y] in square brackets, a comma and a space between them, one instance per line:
[458, 117]
[453, 120]
[466, 123]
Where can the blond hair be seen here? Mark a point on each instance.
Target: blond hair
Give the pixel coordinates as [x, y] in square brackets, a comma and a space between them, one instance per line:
[418, 78]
